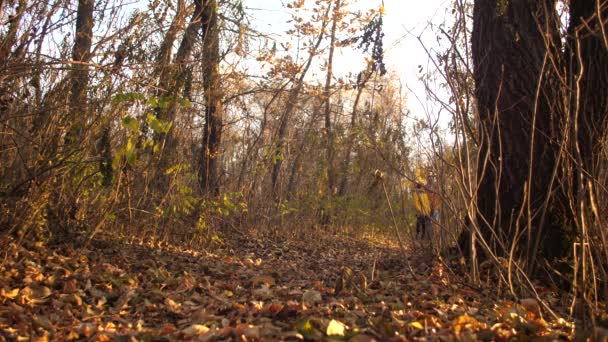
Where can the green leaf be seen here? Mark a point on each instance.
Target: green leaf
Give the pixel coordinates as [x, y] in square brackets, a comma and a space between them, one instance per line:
[129, 122]
[163, 102]
[153, 102]
[127, 97]
[157, 125]
[185, 103]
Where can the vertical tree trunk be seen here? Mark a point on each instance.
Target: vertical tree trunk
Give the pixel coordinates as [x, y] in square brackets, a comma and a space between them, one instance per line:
[212, 134]
[587, 54]
[10, 38]
[6, 46]
[329, 134]
[163, 59]
[81, 55]
[587, 58]
[172, 76]
[514, 108]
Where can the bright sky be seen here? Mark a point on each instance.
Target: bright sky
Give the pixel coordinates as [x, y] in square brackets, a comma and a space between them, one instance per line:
[404, 21]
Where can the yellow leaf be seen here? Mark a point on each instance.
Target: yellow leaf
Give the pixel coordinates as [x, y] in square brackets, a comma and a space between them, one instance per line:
[10, 294]
[336, 328]
[417, 325]
[464, 322]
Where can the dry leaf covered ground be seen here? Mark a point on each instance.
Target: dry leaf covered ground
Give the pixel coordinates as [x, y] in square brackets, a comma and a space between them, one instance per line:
[322, 287]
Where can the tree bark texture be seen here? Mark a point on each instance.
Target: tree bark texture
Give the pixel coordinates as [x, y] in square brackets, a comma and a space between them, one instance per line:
[587, 55]
[6, 47]
[514, 105]
[172, 76]
[212, 135]
[329, 133]
[81, 55]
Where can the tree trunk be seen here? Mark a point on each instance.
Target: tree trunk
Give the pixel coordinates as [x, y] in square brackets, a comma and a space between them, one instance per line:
[10, 38]
[329, 134]
[212, 134]
[514, 108]
[587, 58]
[163, 59]
[172, 77]
[6, 46]
[587, 53]
[81, 55]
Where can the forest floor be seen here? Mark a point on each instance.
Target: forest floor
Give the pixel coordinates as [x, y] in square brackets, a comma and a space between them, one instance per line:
[254, 287]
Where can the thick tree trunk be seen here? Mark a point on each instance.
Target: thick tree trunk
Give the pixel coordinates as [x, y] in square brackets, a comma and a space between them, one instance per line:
[212, 134]
[587, 58]
[587, 53]
[514, 108]
[81, 55]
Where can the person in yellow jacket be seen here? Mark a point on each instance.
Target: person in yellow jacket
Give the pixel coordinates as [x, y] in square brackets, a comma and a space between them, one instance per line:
[426, 203]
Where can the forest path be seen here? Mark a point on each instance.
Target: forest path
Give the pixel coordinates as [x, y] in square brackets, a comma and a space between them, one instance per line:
[251, 288]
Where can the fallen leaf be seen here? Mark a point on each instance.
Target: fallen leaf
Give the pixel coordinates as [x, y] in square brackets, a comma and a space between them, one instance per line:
[417, 325]
[305, 327]
[464, 322]
[532, 307]
[272, 309]
[262, 280]
[167, 329]
[362, 338]
[248, 331]
[263, 292]
[292, 335]
[335, 328]
[10, 294]
[43, 322]
[312, 297]
[195, 330]
[124, 299]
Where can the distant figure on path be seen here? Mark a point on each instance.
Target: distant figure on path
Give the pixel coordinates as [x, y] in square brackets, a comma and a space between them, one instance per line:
[426, 203]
